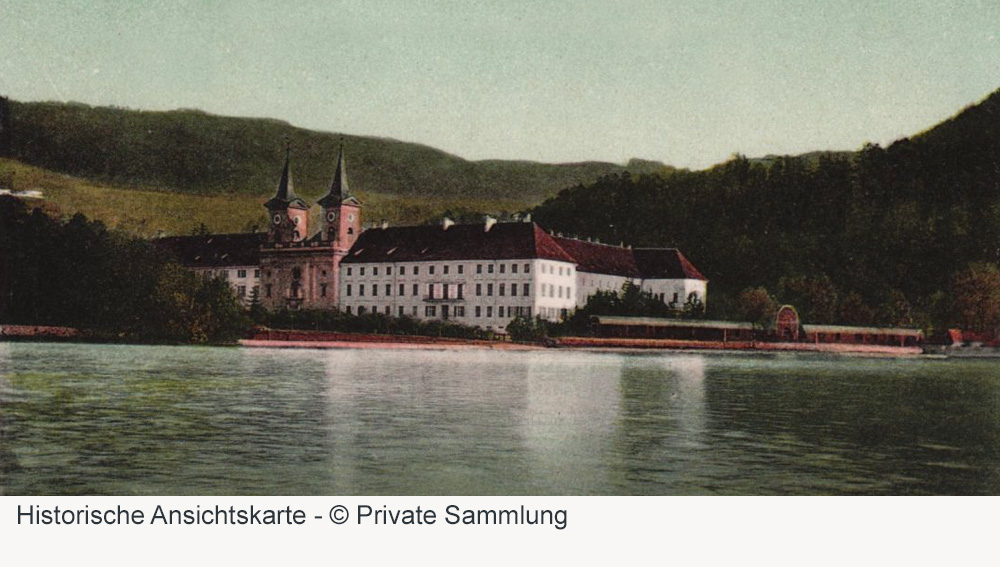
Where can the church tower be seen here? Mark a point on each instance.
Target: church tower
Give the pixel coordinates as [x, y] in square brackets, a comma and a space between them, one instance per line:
[288, 215]
[341, 224]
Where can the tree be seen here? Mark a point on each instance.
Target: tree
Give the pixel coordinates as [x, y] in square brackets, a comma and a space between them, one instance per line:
[526, 330]
[756, 305]
[975, 298]
[694, 307]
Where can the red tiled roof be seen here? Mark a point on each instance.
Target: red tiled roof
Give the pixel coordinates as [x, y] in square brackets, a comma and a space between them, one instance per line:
[665, 263]
[214, 250]
[504, 241]
[597, 258]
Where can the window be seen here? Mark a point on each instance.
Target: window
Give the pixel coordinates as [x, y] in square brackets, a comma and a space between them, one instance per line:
[256, 273]
[489, 310]
[242, 291]
[323, 272]
[416, 270]
[560, 291]
[489, 268]
[503, 268]
[349, 310]
[322, 290]
[362, 272]
[513, 290]
[416, 289]
[400, 310]
[414, 310]
[479, 289]
[479, 270]
[387, 310]
[402, 270]
[348, 290]
[267, 290]
[461, 291]
[459, 311]
[361, 290]
[256, 291]
[241, 273]
[445, 289]
[460, 270]
[402, 290]
[430, 270]
[374, 290]
[375, 270]
[430, 291]
[479, 311]
[430, 311]
[388, 290]
[500, 311]
[361, 310]
[513, 268]
[388, 270]
[348, 270]
[503, 288]
[525, 290]
[269, 273]
[445, 268]
[527, 268]
[489, 289]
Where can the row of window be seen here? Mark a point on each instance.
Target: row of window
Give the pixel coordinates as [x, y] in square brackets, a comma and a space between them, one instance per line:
[224, 274]
[448, 291]
[549, 290]
[446, 269]
[502, 311]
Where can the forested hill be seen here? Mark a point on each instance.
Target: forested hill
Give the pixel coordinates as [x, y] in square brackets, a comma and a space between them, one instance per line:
[878, 236]
[190, 151]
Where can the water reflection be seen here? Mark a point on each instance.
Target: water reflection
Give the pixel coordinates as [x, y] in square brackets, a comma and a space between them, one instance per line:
[108, 419]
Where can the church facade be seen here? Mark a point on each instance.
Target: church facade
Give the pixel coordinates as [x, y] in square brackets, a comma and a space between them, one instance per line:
[476, 274]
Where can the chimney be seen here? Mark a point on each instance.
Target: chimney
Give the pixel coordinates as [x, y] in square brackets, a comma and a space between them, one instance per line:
[446, 222]
[527, 218]
[385, 224]
[490, 221]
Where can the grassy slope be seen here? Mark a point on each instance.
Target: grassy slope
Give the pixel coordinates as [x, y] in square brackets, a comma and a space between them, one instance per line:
[147, 212]
[192, 152]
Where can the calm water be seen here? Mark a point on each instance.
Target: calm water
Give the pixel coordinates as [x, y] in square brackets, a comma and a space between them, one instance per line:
[109, 419]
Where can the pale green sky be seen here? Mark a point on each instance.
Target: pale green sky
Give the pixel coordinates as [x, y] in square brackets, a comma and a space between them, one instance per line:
[687, 82]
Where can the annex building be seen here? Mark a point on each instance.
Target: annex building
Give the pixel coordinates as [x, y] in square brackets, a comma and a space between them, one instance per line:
[482, 274]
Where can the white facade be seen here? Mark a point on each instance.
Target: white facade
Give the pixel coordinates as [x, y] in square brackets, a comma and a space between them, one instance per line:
[675, 292]
[244, 280]
[485, 293]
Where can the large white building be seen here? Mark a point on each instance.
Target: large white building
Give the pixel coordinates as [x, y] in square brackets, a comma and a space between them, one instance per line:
[475, 274]
[487, 274]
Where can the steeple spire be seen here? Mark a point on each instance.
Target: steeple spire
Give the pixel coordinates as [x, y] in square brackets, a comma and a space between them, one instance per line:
[285, 194]
[339, 191]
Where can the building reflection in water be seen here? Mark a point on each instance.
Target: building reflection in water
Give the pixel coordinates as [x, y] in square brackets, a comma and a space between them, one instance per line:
[660, 435]
[425, 422]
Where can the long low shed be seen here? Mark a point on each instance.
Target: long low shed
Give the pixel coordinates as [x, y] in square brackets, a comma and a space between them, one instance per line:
[677, 329]
[863, 335]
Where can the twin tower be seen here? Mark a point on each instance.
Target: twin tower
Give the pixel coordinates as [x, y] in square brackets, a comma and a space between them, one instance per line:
[299, 269]
[289, 215]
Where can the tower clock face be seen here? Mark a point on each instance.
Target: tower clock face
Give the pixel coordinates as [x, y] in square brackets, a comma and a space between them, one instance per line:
[331, 216]
[350, 217]
[277, 219]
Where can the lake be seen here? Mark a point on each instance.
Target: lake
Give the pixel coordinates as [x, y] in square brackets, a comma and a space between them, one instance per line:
[156, 420]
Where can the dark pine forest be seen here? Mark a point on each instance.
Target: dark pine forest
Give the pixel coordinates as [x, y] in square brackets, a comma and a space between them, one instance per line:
[903, 235]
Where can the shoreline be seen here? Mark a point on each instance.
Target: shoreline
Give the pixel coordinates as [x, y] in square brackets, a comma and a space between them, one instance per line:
[316, 340]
